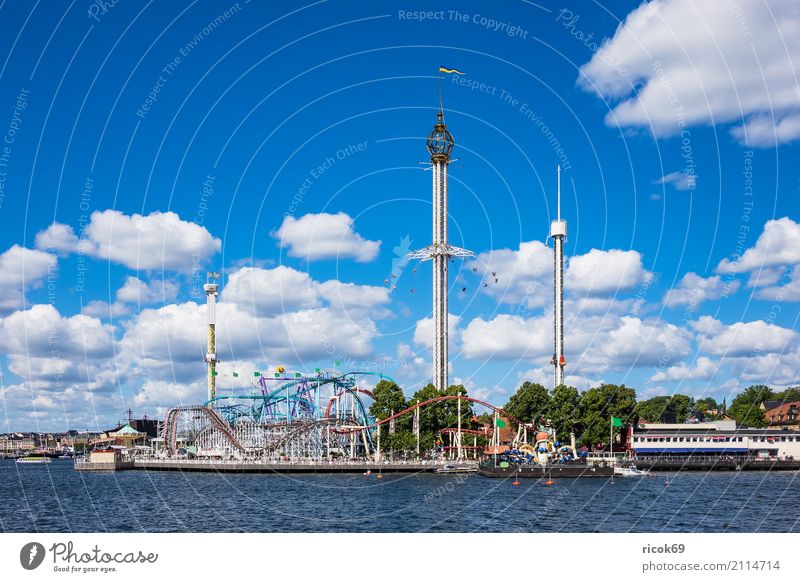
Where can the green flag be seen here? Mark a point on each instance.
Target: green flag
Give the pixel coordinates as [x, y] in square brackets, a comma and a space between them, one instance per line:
[616, 421]
[337, 363]
[317, 370]
[500, 423]
[277, 374]
[214, 373]
[297, 375]
[256, 374]
[236, 374]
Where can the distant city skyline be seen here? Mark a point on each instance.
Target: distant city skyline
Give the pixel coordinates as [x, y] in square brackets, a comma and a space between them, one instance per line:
[143, 146]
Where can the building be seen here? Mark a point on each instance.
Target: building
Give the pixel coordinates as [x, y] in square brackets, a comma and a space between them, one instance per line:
[786, 415]
[146, 425]
[18, 442]
[718, 438]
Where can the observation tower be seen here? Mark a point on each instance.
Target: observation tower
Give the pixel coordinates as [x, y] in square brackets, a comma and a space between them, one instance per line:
[440, 146]
[558, 231]
[212, 288]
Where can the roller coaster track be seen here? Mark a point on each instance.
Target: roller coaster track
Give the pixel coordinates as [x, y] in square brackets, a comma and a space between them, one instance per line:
[171, 424]
[302, 427]
[434, 401]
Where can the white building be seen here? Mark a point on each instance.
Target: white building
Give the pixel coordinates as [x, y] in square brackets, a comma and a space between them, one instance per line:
[714, 438]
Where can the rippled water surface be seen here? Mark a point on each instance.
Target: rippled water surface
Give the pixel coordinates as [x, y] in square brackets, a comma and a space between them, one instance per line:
[56, 498]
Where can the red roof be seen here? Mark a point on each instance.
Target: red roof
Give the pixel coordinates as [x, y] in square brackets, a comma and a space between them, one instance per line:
[781, 413]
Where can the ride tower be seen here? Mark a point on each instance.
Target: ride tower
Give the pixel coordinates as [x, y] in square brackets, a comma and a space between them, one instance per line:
[440, 145]
[558, 232]
[212, 288]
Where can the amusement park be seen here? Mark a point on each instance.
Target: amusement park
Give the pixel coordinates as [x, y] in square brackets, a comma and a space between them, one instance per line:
[355, 418]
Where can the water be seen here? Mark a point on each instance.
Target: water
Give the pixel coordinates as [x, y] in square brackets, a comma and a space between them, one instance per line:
[56, 498]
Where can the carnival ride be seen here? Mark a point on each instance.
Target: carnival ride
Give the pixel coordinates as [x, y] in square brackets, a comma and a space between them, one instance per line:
[303, 416]
[545, 450]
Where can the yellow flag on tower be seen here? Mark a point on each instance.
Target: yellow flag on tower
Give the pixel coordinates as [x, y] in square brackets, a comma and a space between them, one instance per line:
[450, 71]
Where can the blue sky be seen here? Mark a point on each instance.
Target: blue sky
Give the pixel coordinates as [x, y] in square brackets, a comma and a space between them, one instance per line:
[280, 145]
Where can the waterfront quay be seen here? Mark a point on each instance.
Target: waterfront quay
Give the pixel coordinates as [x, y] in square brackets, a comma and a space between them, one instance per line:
[271, 466]
[715, 463]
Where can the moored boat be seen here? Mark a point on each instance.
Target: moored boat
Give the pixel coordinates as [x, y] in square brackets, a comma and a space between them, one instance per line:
[630, 471]
[550, 471]
[547, 458]
[34, 459]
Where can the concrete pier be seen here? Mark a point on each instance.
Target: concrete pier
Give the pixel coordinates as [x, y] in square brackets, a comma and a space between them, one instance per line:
[712, 464]
[117, 465]
[236, 466]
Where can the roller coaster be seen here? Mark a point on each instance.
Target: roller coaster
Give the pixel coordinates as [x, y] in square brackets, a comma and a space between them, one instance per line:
[301, 417]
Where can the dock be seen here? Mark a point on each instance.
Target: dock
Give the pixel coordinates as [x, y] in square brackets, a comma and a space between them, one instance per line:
[278, 467]
[715, 464]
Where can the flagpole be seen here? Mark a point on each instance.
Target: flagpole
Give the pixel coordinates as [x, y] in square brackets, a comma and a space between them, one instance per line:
[611, 436]
[441, 88]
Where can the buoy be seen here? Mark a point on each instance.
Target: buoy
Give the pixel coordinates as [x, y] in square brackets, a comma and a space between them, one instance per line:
[379, 476]
[550, 482]
[516, 483]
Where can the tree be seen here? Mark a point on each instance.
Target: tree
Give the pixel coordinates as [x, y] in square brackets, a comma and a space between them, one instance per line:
[789, 395]
[599, 405]
[530, 403]
[433, 418]
[746, 407]
[652, 409]
[669, 409]
[389, 399]
[565, 411]
[680, 408]
[702, 406]
[707, 404]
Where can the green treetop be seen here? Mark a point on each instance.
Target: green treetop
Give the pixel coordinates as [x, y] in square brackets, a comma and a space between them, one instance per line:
[565, 411]
[529, 403]
[746, 407]
[599, 405]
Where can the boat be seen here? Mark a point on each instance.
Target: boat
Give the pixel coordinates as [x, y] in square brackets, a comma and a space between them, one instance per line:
[446, 469]
[546, 459]
[571, 469]
[630, 471]
[34, 459]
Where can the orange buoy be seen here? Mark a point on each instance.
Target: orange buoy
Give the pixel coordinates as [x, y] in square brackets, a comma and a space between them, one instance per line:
[379, 476]
[549, 482]
[516, 483]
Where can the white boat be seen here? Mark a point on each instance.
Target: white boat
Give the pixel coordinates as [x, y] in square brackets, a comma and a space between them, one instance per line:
[34, 459]
[462, 468]
[630, 471]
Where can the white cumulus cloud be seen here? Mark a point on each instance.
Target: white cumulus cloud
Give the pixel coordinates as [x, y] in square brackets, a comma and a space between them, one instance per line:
[22, 269]
[157, 241]
[704, 62]
[777, 247]
[601, 272]
[703, 369]
[325, 236]
[693, 289]
[751, 338]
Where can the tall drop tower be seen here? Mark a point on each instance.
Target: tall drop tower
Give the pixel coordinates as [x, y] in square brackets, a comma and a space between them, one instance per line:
[558, 230]
[211, 288]
[440, 146]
